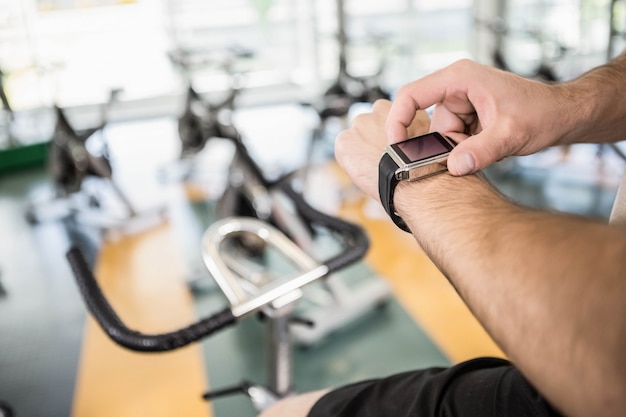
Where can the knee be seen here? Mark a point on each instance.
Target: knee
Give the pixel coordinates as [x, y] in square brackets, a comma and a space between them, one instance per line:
[296, 406]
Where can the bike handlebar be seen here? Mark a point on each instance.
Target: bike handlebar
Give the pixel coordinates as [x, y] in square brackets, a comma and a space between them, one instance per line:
[356, 245]
[113, 326]
[355, 239]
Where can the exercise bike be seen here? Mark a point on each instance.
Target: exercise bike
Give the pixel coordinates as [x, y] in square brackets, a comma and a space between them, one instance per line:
[549, 51]
[346, 89]
[202, 119]
[83, 183]
[275, 298]
[249, 192]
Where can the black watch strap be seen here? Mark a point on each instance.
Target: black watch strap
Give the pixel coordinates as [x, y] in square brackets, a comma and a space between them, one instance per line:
[387, 183]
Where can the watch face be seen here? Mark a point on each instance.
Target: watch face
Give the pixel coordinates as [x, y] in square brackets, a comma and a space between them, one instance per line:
[422, 147]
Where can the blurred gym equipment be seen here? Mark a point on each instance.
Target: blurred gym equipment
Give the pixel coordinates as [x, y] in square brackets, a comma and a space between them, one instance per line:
[83, 183]
[201, 119]
[580, 177]
[7, 112]
[347, 89]
[250, 193]
[276, 298]
[541, 66]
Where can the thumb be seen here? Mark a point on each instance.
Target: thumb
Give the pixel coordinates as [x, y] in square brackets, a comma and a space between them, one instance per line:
[475, 153]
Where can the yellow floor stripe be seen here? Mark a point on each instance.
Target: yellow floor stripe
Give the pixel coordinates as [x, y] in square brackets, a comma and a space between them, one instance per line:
[142, 277]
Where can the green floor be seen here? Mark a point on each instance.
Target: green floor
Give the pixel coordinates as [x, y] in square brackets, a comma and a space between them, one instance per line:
[41, 315]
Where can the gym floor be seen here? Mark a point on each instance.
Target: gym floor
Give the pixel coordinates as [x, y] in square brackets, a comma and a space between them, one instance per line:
[55, 361]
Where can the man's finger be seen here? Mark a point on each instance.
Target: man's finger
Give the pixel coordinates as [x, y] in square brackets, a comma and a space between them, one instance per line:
[475, 153]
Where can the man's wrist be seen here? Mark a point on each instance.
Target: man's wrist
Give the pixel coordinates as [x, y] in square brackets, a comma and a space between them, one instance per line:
[436, 199]
[416, 195]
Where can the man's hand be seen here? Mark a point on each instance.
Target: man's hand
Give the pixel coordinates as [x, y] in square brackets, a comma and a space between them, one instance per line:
[492, 114]
[359, 148]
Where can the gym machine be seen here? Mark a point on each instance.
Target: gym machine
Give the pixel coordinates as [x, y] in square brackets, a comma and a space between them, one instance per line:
[7, 111]
[202, 119]
[83, 183]
[250, 193]
[275, 298]
[555, 174]
[543, 70]
[347, 89]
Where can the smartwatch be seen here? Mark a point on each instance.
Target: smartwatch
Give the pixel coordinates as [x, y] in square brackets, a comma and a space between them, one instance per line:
[411, 160]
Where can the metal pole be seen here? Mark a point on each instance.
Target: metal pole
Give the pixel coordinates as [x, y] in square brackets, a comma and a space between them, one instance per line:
[613, 32]
[279, 353]
[342, 38]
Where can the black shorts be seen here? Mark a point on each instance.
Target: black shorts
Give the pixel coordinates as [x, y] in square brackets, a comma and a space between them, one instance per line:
[484, 387]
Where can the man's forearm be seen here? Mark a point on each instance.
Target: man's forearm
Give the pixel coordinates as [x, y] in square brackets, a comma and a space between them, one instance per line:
[597, 100]
[510, 265]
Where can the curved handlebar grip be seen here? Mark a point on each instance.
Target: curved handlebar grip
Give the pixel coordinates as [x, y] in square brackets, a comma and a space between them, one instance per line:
[132, 339]
[354, 237]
